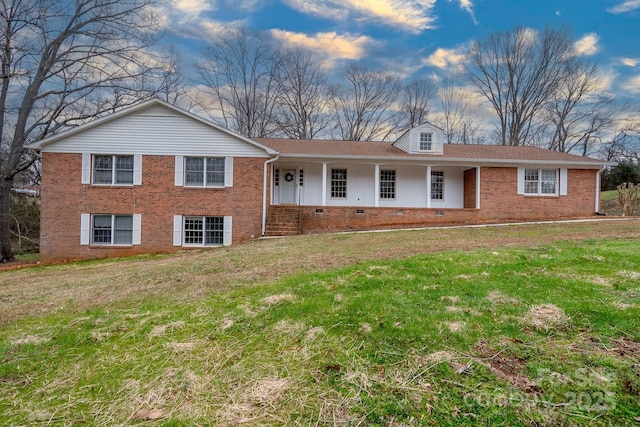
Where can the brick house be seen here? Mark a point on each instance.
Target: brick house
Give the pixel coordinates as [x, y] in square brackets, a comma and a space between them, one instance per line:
[154, 178]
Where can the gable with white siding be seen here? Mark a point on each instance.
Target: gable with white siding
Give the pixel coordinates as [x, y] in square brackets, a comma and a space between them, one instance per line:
[157, 129]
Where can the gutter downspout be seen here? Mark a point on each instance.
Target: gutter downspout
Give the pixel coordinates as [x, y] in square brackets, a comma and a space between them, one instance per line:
[598, 185]
[264, 192]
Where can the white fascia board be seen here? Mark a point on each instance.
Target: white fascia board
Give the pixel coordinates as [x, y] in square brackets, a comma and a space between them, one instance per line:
[134, 109]
[449, 161]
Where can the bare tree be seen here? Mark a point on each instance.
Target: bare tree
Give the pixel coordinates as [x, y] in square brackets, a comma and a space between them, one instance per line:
[415, 98]
[459, 118]
[362, 109]
[60, 64]
[172, 86]
[577, 115]
[239, 70]
[518, 72]
[302, 105]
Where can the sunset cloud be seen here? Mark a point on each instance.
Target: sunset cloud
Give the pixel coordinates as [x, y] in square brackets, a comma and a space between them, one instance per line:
[632, 85]
[332, 44]
[446, 58]
[588, 44]
[192, 7]
[413, 16]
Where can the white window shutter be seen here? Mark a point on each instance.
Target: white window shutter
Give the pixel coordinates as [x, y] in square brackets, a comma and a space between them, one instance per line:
[563, 181]
[137, 169]
[177, 230]
[228, 171]
[85, 220]
[86, 168]
[520, 180]
[137, 229]
[228, 231]
[179, 171]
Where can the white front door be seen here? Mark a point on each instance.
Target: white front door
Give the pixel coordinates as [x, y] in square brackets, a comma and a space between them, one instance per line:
[288, 186]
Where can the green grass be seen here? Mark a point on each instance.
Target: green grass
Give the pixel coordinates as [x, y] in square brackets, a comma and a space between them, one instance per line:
[609, 195]
[548, 335]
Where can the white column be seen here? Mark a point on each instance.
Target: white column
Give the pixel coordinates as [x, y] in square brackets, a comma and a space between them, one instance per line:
[428, 186]
[376, 185]
[477, 187]
[324, 184]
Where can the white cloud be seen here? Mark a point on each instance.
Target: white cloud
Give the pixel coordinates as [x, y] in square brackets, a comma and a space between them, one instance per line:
[192, 7]
[446, 58]
[467, 5]
[632, 85]
[625, 6]
[410, 15]
[629, 62]
[212, 29]
[588, 44]
[331, 45]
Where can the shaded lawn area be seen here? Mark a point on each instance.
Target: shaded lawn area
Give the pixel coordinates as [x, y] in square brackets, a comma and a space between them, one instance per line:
[519, 333]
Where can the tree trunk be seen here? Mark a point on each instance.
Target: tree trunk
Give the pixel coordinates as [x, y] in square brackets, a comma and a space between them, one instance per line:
[628, 197]
[6, 253]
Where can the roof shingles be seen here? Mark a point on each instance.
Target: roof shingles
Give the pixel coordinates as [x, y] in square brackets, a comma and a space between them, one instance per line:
[373, 149]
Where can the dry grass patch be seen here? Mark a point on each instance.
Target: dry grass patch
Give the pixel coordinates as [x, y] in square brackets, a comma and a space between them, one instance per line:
[498, 298]
[29, 339]
[278, 299]
[546, 317]
[161, 330]
[456, 326]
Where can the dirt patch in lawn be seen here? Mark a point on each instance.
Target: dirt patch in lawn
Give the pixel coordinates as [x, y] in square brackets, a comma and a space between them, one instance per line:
[507, 368]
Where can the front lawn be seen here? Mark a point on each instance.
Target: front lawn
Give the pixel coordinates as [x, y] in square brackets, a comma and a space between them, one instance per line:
[544, 334]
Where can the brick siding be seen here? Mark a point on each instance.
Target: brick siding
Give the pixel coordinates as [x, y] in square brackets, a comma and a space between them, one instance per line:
[64, 199]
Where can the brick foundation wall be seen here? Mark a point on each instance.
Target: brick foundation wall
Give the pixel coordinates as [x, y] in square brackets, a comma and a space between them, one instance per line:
[64, 199]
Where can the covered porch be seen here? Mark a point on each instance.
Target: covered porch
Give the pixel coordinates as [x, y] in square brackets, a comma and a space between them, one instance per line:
[311, 195]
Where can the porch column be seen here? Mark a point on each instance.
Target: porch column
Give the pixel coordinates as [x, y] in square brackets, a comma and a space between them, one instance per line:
[477, 187]
[324, 184]
[428, 186]
[376, 186]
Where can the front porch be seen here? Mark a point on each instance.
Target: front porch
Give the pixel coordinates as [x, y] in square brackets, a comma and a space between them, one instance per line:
[374, 185]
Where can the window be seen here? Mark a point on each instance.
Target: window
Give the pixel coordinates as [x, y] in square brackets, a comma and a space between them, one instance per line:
[301, 177]
[437, 185]
[541, 181]
[276, 178]
[425, 141]
[112, 230]
[113, 170]
[387, 184]
[339, 183]
[204, 231]
[204, 171]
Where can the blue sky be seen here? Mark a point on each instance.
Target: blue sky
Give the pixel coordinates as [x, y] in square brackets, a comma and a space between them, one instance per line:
[413, 38]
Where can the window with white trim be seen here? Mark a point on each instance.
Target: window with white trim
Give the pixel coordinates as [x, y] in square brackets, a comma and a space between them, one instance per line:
[339, 183]
[203, 230]
[437, 185]
[387, 184]
[426, 140]
[112, 229]
[204, 171]
[541, 181]
[113, 170]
